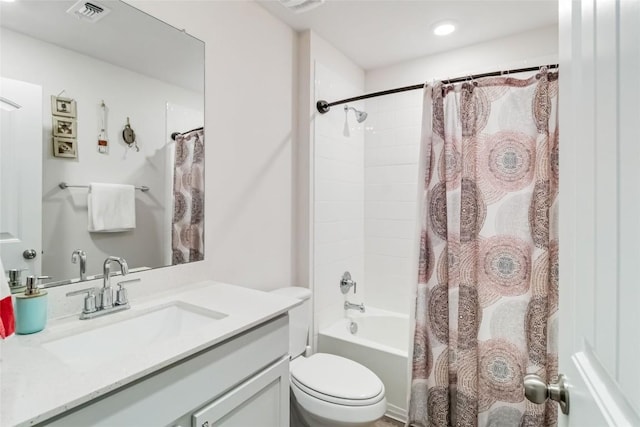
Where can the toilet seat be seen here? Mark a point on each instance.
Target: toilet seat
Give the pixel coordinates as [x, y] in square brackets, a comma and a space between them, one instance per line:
[336, 380]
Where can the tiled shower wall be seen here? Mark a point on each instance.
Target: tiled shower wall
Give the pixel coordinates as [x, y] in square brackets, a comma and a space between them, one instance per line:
[392, 142]
[338, 199]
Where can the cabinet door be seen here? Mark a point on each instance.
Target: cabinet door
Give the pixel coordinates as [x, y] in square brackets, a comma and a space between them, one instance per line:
[170, 397]
[261, 401]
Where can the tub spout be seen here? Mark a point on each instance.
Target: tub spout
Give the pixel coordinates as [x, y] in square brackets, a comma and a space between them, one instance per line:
[350, 306]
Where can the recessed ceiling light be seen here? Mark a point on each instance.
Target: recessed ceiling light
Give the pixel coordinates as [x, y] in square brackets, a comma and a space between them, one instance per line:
[444, 28]
[8, 1]
[299, 6]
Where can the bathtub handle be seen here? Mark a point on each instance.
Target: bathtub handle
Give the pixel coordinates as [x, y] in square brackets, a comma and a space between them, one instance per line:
[346, 283]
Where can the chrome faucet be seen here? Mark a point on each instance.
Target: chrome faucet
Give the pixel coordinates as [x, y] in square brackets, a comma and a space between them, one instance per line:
[79, 254]
[346, 283]
[350, 306]
[102, 303]
[107, 292]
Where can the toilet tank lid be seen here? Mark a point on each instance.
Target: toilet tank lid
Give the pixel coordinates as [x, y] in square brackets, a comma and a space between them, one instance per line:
[294, 292]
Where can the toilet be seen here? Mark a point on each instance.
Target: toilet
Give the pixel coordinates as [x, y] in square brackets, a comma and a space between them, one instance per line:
[327, 390]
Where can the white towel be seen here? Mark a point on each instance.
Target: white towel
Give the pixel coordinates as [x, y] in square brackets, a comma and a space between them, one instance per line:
[112, 207]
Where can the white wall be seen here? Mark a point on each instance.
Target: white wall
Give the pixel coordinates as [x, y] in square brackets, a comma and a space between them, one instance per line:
[391, 176]
[339, 199]
[528, 49]
[250, 121]
[331, 172]
[392, 147]
[126, 94]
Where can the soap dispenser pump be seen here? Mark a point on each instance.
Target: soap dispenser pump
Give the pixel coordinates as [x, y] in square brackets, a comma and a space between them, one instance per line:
[31, 307]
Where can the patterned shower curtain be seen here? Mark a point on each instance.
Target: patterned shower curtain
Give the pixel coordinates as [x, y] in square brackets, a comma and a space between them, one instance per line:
[187, 240]
[487, 294]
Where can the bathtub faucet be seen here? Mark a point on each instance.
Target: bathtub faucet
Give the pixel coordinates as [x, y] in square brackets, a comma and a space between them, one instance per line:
[346, 283]
[350, 306]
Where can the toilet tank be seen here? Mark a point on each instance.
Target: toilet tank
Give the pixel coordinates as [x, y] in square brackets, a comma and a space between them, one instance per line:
[299, 318]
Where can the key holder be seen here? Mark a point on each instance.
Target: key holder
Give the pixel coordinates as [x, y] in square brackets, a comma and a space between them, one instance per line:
[129, 136]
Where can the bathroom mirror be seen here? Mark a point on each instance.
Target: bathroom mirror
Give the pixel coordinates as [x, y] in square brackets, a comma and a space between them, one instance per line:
[100, 71]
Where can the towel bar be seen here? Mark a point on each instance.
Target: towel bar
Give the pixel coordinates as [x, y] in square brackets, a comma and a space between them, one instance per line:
[64, 185]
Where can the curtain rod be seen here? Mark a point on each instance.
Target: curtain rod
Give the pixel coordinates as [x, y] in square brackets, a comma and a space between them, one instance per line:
[174, 135]
[324, 106]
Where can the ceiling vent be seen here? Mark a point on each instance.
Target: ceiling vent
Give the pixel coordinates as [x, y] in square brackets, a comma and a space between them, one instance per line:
[299, 6]
[88, 11]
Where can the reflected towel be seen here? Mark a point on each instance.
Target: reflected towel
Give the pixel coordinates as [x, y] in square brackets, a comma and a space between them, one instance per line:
[7, 318]
[112, 207]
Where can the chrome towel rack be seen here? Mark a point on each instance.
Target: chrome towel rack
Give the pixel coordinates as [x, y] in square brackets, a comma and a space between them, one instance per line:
[64, 185]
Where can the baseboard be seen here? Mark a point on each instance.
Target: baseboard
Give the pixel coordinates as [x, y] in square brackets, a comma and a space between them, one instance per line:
[396, 413]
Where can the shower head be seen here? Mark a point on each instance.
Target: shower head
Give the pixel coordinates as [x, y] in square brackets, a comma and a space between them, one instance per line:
[361, 116]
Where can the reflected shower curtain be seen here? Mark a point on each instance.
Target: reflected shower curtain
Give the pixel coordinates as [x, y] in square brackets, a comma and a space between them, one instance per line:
[187, 237]
[487, 294]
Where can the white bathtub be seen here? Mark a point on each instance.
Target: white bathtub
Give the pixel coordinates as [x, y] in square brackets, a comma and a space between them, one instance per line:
[381, 344]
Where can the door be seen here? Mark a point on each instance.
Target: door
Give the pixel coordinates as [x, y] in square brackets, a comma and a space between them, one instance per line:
[21, 175]
[600, 211]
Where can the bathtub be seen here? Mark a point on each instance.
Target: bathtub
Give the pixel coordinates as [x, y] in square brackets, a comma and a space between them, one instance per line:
[381, 344]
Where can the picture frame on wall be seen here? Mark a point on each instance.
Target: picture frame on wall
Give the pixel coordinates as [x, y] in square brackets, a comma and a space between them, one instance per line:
[65, 107]
[65, 147]
[64, 127]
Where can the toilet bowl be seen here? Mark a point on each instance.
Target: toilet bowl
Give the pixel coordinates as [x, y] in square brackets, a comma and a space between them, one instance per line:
[333, 391]
[328, 390]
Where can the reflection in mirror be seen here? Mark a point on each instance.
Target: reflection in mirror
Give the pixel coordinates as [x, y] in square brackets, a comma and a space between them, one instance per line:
[100, 96]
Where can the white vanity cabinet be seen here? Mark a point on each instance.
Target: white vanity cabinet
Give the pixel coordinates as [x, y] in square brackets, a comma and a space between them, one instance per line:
[241, 382]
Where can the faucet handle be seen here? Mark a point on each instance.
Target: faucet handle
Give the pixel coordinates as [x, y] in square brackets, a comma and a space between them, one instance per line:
[121, 294]
[89, 300]
[346, 283]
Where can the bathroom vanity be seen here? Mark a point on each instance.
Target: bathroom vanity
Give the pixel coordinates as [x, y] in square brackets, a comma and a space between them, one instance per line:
[210, 354]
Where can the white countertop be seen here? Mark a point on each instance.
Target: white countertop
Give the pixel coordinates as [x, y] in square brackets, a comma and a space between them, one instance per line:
[35, 385]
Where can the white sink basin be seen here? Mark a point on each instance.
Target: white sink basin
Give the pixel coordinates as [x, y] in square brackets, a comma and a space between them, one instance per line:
[102, 344]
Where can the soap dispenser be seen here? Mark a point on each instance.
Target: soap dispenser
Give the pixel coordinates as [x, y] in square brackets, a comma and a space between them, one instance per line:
[31, 307]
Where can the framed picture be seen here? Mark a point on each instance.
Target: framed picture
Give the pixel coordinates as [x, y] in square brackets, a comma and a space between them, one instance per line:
[65, 107]
[65, 147]
[64, 127]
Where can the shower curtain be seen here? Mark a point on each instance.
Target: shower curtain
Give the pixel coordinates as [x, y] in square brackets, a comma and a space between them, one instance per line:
[187, 236]
[487, 293]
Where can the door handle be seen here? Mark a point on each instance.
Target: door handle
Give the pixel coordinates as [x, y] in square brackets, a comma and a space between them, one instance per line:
[29, 254]
[538, 391]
